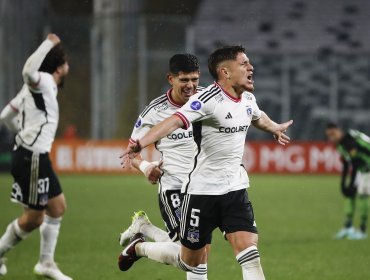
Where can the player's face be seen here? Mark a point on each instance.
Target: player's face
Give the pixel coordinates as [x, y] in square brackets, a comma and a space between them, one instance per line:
[334, 135]
[184, 85]
[241, 72]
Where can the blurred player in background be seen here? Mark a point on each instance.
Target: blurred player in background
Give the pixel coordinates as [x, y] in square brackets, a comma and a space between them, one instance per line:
[176, 150]
[354, 148]
[34, 114]
[215, 194]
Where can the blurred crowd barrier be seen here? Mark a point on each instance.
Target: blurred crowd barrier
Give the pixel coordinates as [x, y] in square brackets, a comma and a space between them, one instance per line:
[80, 156]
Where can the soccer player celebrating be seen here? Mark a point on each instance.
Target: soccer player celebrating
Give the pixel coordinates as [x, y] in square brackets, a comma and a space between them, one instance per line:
[354, 148]
[215, 191]
[176, 150]
[36, 187]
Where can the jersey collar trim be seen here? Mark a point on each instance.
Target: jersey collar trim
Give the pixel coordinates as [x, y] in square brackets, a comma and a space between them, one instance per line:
[171, 100]
[228, 94]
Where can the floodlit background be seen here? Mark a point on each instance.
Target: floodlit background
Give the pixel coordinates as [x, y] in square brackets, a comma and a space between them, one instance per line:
[312, 64]
[311, 58]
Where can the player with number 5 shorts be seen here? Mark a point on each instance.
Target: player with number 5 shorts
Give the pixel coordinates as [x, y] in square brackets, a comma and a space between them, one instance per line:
[215, 194]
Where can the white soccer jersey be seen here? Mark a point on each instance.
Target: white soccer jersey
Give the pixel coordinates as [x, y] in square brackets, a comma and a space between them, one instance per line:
[220, 124]
[10, 114]
[17, 101]
[176, 149]
[39, 115]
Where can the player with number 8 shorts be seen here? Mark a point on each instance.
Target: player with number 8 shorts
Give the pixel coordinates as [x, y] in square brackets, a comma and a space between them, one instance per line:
[176, 155]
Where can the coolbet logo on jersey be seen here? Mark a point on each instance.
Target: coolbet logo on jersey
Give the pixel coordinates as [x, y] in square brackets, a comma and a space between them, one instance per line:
[196, 105]
[233, 129]
[182, 135]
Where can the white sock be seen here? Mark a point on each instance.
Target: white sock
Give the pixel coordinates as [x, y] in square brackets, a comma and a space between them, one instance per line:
[163, 252]
[49, 231]
[12, 236]
[199, 273]
[249, 259]
[154, 233]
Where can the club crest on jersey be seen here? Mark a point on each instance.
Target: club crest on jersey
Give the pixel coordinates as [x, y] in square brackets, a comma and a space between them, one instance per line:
[195, 105]
[138, 123]
[193, 235]
[249, 111]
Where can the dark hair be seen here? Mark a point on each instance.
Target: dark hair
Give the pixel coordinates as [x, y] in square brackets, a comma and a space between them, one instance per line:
[56, 57]
[220, 55]
[331, 125]
[183, 62]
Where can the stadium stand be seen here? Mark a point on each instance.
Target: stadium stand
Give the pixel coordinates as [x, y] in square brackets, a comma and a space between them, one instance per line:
[311, 58]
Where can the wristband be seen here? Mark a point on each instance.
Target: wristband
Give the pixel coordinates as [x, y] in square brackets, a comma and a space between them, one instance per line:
[143, 165]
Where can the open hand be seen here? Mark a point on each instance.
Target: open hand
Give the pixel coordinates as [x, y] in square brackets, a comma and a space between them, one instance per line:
[132, 150]
[280, 135]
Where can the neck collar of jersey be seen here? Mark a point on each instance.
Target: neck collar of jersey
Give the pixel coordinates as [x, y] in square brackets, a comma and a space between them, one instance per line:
[173, 102]
[228, 94]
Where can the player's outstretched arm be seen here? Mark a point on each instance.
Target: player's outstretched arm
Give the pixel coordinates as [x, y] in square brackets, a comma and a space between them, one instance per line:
[156, 133]
[33, 63]
[277, 130]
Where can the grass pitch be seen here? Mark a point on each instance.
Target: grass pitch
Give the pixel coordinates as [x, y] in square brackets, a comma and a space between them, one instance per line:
[296, 215]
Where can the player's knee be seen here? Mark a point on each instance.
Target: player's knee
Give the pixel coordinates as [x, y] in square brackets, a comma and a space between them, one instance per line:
[57, 210]
[241, 243]
[193, 261]
[186, 266]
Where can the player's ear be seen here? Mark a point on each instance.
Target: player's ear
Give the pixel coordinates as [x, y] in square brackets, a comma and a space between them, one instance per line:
[170, 78]
[224, 72]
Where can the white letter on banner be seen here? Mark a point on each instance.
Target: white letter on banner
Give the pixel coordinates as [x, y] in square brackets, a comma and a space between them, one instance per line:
[274, 155]
[294, 159]
[64, 158]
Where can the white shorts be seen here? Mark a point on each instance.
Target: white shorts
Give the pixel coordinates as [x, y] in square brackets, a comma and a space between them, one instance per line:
[363, 183]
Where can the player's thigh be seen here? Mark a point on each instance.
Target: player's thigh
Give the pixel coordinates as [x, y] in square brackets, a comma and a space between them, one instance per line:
[55, 200]
[199, 217]
[238, 219]
[170, 207]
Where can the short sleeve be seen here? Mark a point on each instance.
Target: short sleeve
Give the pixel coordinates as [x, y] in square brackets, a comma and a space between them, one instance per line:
[143, 124]
[256, 114]
[195, 110]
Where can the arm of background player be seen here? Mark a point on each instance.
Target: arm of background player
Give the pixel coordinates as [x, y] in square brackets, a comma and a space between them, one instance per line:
[151, 170]
[9, 117]
[30, 72]
[278, 130]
